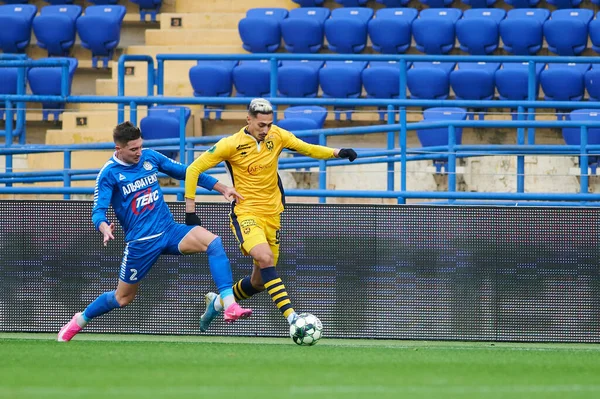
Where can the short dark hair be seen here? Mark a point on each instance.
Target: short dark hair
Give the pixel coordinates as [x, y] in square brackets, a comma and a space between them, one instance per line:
[125, 132]
[260, 106]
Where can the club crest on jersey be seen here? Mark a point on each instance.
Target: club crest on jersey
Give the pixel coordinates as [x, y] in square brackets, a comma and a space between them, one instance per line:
[269, 145]
[147, 165]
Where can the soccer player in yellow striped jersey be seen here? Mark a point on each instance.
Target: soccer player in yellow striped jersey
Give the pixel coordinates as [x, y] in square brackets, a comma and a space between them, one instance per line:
[251, 157]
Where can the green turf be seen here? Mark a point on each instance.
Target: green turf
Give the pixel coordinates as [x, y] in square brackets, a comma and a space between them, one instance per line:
[134, 366]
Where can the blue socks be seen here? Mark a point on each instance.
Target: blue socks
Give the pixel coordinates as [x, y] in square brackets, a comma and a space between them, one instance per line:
[103, 304]
[220, 269]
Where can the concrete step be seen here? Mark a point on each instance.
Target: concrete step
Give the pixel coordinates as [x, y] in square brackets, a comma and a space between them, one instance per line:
[216, 20]
[178, 49]
[206, 6]
[193, 37]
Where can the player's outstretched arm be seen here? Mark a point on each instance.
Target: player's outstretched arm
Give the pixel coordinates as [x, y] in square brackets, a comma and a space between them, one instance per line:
[315, 151]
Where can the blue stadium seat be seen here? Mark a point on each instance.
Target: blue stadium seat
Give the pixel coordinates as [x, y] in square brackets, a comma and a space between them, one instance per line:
[295, 118]
[564, 3]
[252, 78]
[512, 80]
[390, 30]
[592, 82]
[429, 80]
[299, 78]
[59, 2]
[394, 3]
[342, 79]
[346, 30]
[15, 1]
[572, 136]
[100, 31]
[437, 3]
[434, 30]
[594, 28]
[522, 3]
[439, 136]
[162, 122]
[103, 2]
[564, 82]
[314, 112]
[17, 20]
[474, 81]
[567, 31]
[212, 79]
[304, 30]
[55, 29]
[382, 80]
[479, 3]
[47, 81]
[260, 31]
[352, 3]
[486, 23]
[522, 30]
[151, 7]
[309, 3]
[296, 124]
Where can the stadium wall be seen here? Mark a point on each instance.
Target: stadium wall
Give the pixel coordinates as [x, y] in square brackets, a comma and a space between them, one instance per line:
[387, 272]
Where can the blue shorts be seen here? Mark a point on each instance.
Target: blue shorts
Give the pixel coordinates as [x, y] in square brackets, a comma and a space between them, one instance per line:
[140, 255]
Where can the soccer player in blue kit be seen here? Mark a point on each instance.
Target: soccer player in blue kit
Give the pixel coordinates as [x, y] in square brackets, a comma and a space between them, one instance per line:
[129, 182]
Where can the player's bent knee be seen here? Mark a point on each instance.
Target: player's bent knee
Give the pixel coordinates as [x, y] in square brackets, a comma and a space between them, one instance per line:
[196, 241]
[265, 259]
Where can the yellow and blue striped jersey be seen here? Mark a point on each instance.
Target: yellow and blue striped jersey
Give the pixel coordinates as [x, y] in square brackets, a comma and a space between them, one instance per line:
[252, 166]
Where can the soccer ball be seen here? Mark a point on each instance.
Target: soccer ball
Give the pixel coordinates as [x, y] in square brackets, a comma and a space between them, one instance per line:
[306, 330]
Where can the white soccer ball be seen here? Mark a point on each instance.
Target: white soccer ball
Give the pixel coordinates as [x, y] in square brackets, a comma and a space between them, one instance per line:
[307, 330]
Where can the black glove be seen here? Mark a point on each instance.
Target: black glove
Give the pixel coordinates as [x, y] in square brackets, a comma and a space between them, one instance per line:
[191, 219]
[348, 153]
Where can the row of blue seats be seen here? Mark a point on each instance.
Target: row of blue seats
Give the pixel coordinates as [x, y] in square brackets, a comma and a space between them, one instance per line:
[446, 3]
[43, 81]
[150, 7]
[56, 26]
[434, 31]
[425, 80]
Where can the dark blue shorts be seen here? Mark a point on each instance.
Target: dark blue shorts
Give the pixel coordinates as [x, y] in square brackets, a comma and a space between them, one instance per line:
[140, 255]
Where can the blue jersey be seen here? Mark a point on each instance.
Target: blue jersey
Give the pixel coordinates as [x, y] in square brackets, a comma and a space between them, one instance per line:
[135, 195]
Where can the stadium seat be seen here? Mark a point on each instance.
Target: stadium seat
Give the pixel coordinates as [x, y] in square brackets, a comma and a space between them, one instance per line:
[564, 82]
[103, 2]
[522, 3]
[151, 7]
[352, 3]
[346, 30]
[564, 3]
[486, 23]
[212, 79]
[390, 30]
[474, 81]
[439, 136]
[17, 20]
[572, 136]
[47, 81]
[512, 81]
[429, 80]
[592, 82]
[162, 122]
[299, 78]
[260, 31]
[59, 2]
[394, 3]
[297, 118]
[309, 3]
[437, 3]
[434, 30]
[296, 124]
[314, 112]
[522, 30]
[479, 3]
[55, 28]
[567, 31]
[382, 80]
[100, 31]
[342, 79]
[252, 78]
[594, 28]
[15, 1]
[304, 30]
